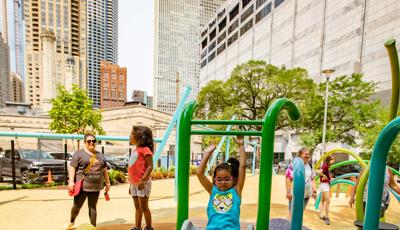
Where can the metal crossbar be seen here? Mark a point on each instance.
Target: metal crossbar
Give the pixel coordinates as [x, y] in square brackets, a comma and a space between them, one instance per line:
[226, 133]
[227, 122]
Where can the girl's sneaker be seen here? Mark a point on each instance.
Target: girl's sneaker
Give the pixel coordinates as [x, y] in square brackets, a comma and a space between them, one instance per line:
[135, 228]
[327, 222]
[148, 228]
[322, 217]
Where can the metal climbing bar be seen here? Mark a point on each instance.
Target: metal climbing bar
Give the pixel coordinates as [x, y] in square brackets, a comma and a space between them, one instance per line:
[227, 122]
[298, 194]
[226, 133]
[267, 157]
[377, 173]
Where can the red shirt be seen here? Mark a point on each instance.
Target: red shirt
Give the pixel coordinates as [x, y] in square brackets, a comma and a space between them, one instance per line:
[137, 164]
[325, 171]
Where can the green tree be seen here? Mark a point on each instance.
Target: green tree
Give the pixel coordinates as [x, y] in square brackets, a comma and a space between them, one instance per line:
[251, 89]
[350, 110]
[72, 112]
[370, 134]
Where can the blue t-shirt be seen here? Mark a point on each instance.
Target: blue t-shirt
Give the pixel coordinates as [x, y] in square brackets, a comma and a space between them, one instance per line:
[223, 210]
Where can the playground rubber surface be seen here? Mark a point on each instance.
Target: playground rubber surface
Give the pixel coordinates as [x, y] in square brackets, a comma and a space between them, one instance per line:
[50, 209]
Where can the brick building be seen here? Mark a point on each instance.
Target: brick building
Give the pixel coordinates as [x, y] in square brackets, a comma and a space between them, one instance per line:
[113, 85]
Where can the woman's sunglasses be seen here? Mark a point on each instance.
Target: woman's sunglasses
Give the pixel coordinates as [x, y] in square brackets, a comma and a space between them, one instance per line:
[91, 141]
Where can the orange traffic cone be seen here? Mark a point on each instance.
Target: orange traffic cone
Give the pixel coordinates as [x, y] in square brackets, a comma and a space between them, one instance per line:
[49, 177]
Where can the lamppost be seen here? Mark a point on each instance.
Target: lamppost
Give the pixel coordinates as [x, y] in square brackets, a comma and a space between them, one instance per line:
[327, 73]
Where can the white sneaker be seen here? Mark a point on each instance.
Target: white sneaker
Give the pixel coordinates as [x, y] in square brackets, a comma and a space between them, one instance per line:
[69, 226]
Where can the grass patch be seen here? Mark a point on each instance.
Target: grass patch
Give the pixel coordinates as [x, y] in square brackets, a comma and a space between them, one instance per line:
[6, 187]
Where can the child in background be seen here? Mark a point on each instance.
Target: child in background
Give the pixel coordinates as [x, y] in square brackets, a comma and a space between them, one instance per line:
[139, 170]
[225, 190]
[324, 188]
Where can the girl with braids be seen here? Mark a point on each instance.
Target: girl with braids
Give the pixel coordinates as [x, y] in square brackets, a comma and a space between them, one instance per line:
[139, 170]
[225, 190]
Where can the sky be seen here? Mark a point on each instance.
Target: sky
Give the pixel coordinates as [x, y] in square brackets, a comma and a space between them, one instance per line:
[135, 43]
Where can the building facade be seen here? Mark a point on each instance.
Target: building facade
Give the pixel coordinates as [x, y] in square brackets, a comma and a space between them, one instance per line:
[102, 42]
[54, 32]
[113, 85]
[346, 36]
[176, 51]
[16, 88]
[4, 72]
[139, 96]
[12, 18]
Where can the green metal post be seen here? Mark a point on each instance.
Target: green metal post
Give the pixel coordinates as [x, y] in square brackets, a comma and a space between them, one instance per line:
[298, 194]
[394, 67]
[377, 174]
[183, 141]
[267, 155]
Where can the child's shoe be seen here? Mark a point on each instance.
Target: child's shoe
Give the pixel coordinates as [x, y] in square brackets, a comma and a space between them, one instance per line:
[69, 226]
[148, 228]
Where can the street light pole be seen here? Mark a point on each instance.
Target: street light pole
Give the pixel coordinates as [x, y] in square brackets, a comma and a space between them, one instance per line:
[327, 73]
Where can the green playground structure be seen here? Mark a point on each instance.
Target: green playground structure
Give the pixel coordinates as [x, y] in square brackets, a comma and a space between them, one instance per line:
[267, 134]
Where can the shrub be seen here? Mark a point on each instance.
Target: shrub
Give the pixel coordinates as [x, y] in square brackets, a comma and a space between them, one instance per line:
[116, 177]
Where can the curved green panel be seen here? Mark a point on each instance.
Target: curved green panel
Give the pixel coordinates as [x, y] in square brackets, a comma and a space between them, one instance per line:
[377, 174]
[267, 155]
[339, 150]
[333, 183]
[394, 67]
[183, 156]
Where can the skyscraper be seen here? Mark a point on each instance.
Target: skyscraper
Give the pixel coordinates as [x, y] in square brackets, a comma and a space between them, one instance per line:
[4, 72]
[12, 23]
[176, 48]
[53, 30]
[16, 88]
[102, 41]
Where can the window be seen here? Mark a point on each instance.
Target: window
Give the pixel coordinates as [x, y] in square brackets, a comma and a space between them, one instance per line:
[247, 13]
[212, 46]
[204, 43]
[233, 26]
[211, 57]
[264, 12]
[278, 2]
[245, 2]
[113, 94]
[105, 93]
[213, 34]
[260, 2]
[246, 27]
[121, 77]
[233, 38]
[234, 12]
[222, 24]
[222, 37]
[204, 54]
[204, 63]
[221, 48]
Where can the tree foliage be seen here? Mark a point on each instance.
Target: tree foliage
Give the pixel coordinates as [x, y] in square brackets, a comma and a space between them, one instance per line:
[370, 134]
[251, 89]
[350, 110]
[72, 112]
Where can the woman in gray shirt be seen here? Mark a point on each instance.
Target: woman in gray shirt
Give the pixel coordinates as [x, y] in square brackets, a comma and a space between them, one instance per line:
[89, 164]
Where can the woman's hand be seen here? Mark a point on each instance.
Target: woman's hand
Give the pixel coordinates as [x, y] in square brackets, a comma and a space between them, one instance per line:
[314, 195]
[71, 187]
[107, 187]
[288, 195]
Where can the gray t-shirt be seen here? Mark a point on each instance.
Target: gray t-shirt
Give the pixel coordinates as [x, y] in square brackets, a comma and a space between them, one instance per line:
[93, 181]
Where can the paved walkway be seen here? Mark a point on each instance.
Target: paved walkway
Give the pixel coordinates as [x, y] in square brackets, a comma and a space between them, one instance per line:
[50, 209]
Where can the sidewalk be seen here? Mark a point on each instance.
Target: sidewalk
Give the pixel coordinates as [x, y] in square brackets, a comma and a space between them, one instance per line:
[50, 209]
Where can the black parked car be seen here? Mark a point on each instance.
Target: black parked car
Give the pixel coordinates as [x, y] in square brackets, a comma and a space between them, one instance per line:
[345, 169]
[116, 164]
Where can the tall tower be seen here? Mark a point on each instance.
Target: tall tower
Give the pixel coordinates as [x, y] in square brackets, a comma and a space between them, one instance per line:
[176, 49]
[12, 19]
[4, 72]
[48, 69]
[69, 73]
[67, 21]
[102, 42]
